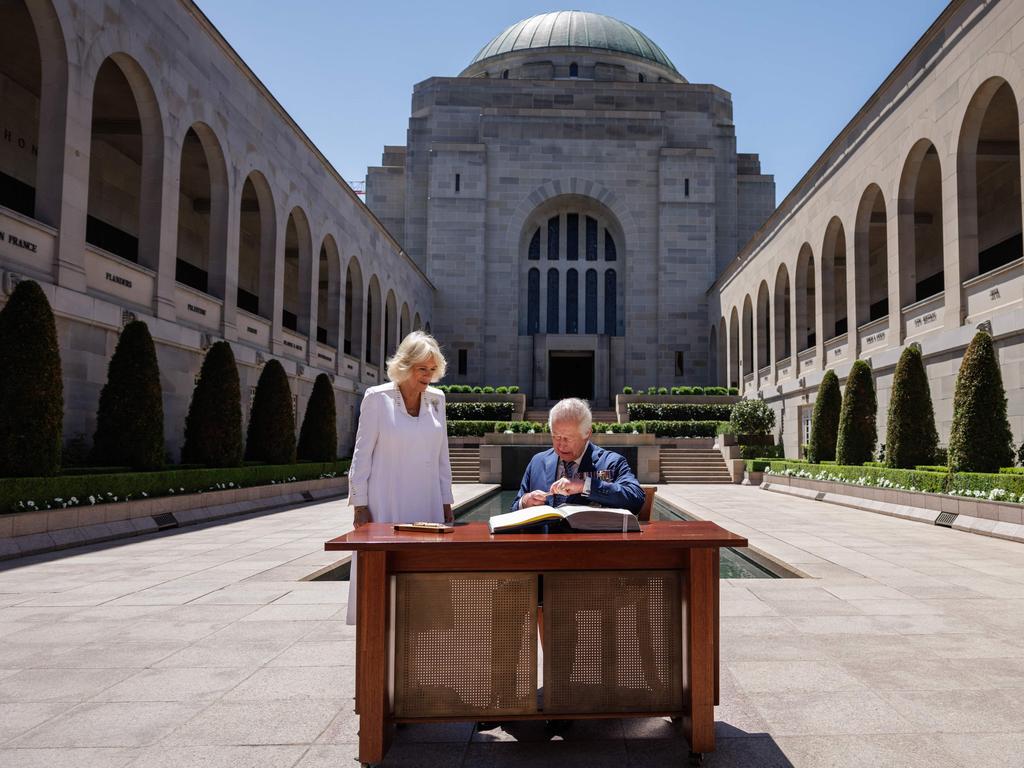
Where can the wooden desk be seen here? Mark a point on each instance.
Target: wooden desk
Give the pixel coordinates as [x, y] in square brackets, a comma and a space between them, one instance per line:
[689, 549]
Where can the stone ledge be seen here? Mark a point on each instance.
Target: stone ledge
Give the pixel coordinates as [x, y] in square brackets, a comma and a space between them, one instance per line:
[134, 518]
[988, 518]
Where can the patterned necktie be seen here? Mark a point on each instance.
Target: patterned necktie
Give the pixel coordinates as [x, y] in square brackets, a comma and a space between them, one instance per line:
[570, 470]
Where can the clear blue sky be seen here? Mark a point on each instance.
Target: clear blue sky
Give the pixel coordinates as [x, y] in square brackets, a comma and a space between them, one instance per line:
[798, 70]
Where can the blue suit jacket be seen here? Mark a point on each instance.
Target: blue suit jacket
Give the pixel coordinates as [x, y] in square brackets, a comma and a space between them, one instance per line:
[621, 491]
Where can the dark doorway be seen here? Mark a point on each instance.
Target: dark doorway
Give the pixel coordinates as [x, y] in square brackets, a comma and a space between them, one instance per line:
[570, 374]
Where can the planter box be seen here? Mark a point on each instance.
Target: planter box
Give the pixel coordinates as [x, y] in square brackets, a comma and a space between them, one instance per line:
[518, 399]
[746, 439]
[622, 401]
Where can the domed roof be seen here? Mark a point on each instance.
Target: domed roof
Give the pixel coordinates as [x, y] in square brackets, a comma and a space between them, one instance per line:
[574, 28]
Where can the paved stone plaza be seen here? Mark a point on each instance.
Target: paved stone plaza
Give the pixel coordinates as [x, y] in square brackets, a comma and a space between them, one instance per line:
[204, 647]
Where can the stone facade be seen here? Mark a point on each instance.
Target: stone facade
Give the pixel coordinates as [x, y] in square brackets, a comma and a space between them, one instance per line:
[145, 171]
[906, 230]
[639, 170]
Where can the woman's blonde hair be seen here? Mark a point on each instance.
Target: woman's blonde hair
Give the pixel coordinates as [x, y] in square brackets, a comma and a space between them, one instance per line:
[414, 349]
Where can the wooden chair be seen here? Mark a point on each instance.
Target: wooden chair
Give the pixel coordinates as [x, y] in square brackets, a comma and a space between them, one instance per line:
[645, 511]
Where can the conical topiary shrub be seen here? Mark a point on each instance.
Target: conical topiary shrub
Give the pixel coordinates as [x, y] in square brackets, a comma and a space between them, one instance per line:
[213, 427]
[271, 436]
[910, 436]
[825, 420]
[318, 438]
[130, 419]
[31, 390]
[855, 443]
[980, 439]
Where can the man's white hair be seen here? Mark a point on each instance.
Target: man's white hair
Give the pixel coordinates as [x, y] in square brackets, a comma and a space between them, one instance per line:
[414, 349]
[572, 409]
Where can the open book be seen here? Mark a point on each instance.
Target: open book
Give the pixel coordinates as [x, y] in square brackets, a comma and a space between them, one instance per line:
[567, 518]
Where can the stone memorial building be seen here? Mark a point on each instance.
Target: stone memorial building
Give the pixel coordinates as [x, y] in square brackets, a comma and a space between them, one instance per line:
[572, 197]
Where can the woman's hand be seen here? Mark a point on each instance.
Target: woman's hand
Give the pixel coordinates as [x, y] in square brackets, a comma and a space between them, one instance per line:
[449, 517]
[362, 517]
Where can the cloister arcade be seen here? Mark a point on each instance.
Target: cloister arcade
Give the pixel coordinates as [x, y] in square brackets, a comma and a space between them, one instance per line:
[183, 219]
[933, 242]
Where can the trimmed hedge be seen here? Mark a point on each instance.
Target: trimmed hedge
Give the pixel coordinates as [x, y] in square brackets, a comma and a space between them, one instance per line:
[271, 435]
[934, 482]
[318, 438]
[130, 418]
[1011, 470]
[758, 465]
[466, 389]
[857, 432]
[932, 468]
[980, 439]
[825, 419]
[472, 428]
[761, 452]
[31, 388]
[479, 411]
[213, 427]
[958, 483]
[138, 485]
[679, 412]
[910, 436]
[664, 428]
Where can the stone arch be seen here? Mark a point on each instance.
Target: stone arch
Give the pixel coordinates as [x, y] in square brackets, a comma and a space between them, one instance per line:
[202, 212]
[747, 337]
[782, 332]
[374, 315]
[566, 236]
[257, 240]
[352, 343]
[722, 372]
[734, 349]
[989, 180]
[390, 324]
[833, 280]
[763, 327]
[297, 277]
[805, 312]
[328, 299]
[871, 260]
[39, 47]
[127, 141]
[919, 225]
[404, 322]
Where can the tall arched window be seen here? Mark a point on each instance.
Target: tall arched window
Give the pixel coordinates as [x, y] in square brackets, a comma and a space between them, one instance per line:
[611, 321]
[533, 302]
[572, 301]
[570, 229]
[590, 309]
[553, 303]
[353, 307]
[574, 70]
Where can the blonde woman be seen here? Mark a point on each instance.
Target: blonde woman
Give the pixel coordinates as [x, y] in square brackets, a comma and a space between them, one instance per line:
[400, 469]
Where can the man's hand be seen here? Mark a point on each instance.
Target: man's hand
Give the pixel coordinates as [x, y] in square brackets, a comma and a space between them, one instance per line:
[533, 499]
[362, 517]
[567, 487]
[448, 516]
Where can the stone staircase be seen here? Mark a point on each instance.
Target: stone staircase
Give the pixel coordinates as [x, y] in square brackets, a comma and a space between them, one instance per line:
[465, 464]
[693, 465]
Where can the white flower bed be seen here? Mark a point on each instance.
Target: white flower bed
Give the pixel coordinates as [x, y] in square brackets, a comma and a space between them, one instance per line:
[996, 494]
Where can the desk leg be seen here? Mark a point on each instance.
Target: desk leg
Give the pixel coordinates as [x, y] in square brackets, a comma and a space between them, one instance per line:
[372, 662]
[700, 588]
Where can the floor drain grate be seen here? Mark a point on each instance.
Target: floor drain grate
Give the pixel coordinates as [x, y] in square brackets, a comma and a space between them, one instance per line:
[165, 521]
[945, 519]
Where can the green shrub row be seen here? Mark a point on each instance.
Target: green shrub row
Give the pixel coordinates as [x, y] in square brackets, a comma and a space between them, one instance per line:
[659, 428]
[758, 465]
[716, 391]
[679, 412]
[77, 490]
[466, 389]
[761, 452]
[1011, 471]
[977, 484]
[934, 482]
[479, 411]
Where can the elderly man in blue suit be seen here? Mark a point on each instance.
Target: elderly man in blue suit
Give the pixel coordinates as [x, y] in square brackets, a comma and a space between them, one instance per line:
[574, 470]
